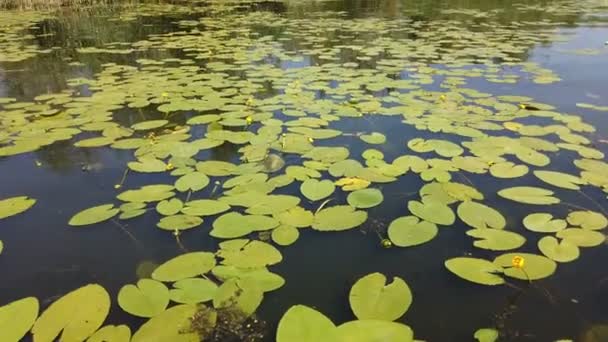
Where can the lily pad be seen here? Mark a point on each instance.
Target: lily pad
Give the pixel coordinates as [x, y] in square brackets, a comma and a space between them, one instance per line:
[374, 330]
[205, 207]
[77, 315]
[171, 325]
[15, 205]
[486, 335]
[193, 181]
[285, 235]
[336, 218]
[373, 138]
[316, 190]
[111, 333]
[432, 211]
[508, 170]
[529, 195]
[248, 253]
[148, 125]
[365, 198]
[587, 219]
[169, 207]
[543, 223]
[496, 240]
[372, 298]
[553, 249]
[193, 291]
[303, 324]
[560, 179]
[480, 216]
[475, 270]
[147, 299]
[410, 231]
[184, 266]
[535, 266]
[94, 215]
[17, 318]
[296, 217]
[179, 222]
[582, 237]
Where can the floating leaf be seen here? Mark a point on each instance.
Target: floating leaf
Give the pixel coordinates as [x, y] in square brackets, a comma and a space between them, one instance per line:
[496, 240]
[365, 198]
[193, 291]
[352, 183]
[529, 195]
[372, 298]
[432, 211]
[15, 205]
[563, 251]
[94, 215]
[169, 207]
[216, 168]
[480, 216]
[78, 314]
[179, 222]
[316, 190]
[194, 181]
[259, 278]
[230, 294]
[373, 138]
[508, 170]
[148, 193]
[94, 142]
[111, 333]
[148, 165]
[374, 330]
[486, 335]
[341, 217]
[582, 237]
[296, 217]
[205, 207]
[303, 324]
[478, 271]
[147, 299]
[560, 179]
[587, 219]
[150, 124]
[410, 231]
[185, 266]
[171, 325]
[17, 318]
[543, 223]
[285, 235]
[248, 254]
[536, 266]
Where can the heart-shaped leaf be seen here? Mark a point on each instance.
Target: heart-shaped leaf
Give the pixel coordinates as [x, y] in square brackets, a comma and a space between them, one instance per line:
[193, 291]
[15, 205]
[94, 215]
[478, 271]
[365, 198]
[17, 318]
[410, 231]
[535, 266]
[563, 251]
[432, 211]
[185, 266]
[543, 223]
[171, 325]
[371, 298]
[147, 299]
[529, 195]
[303, 324]
[587, 219]
[316, 190]
[111, 333]
[496, 240]
[480, 216]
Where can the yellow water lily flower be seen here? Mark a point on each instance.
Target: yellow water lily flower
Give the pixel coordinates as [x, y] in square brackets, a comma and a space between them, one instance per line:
[249, 120]
[518, 261]
[311, 140]
[169, 167]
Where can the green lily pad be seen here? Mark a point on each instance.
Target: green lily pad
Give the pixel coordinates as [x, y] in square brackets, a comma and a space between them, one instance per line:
[316, 190]
[148, 165]
[410, 231]
[15, 205]
[216, 168]
[285, 235]
[184, 266]
[475, 270]
[529, 195]
[372, 298]
[560, 179]
[486, 335]
[148, 193]
[480, 216]
[17, 318]
[248, 254]
[148, 125]
[543, 223]
[553, 249]
[193, 181]
[169, 207]
[205, 207]
[95, 142]
[296, 217]
[230, 294]
[582, 237]
[365, 198]
[432, 211]
[336, 218]
[535, 266]
[508, 170]
[303, 324]
[94, 215]
[373, 138]
[147, 299]
[170, 325]
[193, 291]
[111, 333]
[259, 278]
[496, 240]
[587, 220]
[179, 222]
[374, 330]
[91, 302]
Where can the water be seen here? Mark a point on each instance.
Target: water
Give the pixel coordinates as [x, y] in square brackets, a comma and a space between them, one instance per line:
[45, 258]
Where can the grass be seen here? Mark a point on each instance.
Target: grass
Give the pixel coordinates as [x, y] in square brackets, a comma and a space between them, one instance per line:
[49, 4]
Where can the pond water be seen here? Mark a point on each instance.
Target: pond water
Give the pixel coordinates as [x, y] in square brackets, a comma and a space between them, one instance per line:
[445, 108]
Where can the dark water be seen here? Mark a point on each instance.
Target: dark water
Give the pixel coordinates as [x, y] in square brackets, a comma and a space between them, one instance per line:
[43, 257]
